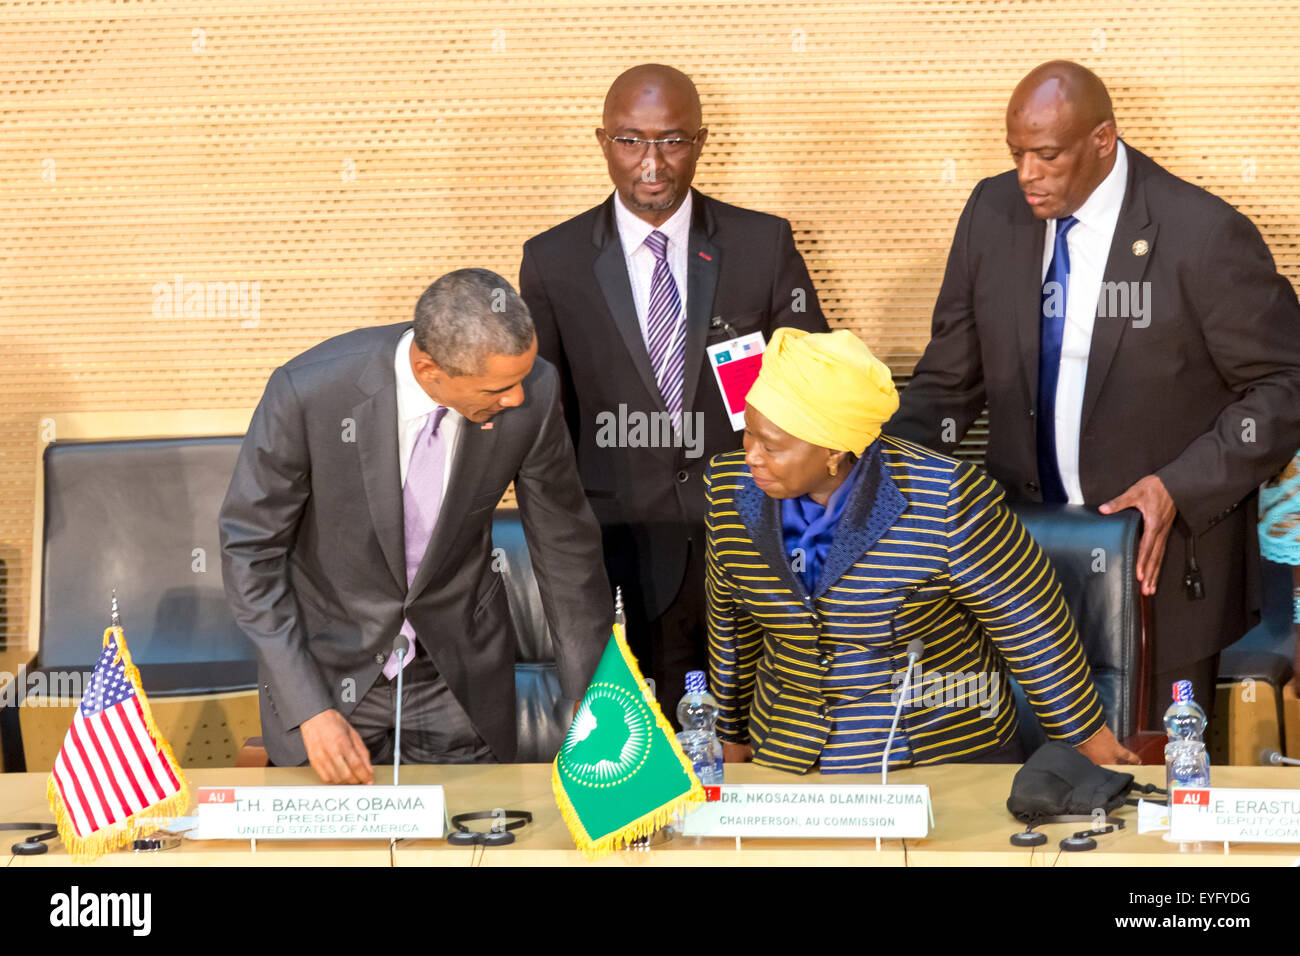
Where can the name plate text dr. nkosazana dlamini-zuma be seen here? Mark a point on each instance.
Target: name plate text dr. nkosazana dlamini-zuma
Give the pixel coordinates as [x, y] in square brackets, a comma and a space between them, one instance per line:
[812, 810]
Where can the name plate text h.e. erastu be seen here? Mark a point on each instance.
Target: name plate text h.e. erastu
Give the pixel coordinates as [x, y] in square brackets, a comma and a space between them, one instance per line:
[1234, 815]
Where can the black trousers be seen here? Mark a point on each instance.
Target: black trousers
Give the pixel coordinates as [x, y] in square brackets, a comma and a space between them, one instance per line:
[675, 642]
[435, 728]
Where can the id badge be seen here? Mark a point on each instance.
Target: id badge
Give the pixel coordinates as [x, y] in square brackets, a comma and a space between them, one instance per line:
[735, 365]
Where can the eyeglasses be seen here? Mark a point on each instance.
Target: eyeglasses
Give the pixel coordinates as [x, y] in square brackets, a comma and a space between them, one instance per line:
[672, 148]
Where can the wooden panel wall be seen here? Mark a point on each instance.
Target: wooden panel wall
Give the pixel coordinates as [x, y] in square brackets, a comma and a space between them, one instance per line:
[320, 163]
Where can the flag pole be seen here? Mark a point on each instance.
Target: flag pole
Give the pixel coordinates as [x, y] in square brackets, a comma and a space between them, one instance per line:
[116, 621]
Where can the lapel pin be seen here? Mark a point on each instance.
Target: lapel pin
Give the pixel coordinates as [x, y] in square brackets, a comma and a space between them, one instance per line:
[487, 426]
[706, 258]
[1140, 247]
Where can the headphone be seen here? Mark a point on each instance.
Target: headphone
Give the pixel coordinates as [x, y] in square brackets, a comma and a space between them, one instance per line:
[33, 845]
[1082, 840]
[499, 835]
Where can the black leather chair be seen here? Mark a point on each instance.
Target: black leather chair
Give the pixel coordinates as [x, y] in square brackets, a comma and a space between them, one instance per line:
[140, 517]
[1095, 558]
[543, 714]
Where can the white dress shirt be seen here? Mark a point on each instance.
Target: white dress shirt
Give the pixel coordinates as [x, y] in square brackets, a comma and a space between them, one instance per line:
[632, 232]
[413, 406]
[1089, 244]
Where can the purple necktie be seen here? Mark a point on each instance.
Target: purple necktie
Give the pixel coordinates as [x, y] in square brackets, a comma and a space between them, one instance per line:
[421, 498]
[665, 336]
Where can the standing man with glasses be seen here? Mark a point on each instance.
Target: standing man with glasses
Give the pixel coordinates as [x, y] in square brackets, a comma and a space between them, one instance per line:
[627, 298]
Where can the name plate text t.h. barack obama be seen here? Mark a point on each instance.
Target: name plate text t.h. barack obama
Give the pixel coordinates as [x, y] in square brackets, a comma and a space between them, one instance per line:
[812, 810]
[320, 813]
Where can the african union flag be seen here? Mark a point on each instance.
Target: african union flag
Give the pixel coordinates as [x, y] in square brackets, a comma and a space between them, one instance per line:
[621, 774]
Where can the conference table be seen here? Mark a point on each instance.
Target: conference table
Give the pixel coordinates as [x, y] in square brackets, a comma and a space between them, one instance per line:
[972, 826]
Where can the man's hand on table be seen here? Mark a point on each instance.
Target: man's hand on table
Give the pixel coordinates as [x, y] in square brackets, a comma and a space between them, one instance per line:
[1150, 497]
[737, 753]
[335, 749]
[1103, 748]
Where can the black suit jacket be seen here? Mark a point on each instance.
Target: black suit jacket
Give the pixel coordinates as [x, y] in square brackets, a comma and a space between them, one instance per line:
[313, 553]
[1204, 393]
[744, 275]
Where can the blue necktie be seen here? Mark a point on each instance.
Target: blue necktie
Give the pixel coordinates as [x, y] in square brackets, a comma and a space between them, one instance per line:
[1056, 287]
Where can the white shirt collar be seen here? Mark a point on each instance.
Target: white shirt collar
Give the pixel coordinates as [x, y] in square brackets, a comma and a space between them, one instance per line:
[633, 230]
[412, 400]
[1101, 209]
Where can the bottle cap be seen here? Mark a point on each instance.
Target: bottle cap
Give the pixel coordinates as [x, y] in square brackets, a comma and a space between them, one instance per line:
[1182, 691]
[696, 682]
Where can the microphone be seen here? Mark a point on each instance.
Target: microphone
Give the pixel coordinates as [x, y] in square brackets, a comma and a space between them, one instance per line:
[915, 648]
[1272, 758]
[400, 647]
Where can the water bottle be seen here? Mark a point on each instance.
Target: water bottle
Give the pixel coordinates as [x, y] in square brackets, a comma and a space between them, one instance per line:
[1184, 720]
[1186, 762]
[698, 715]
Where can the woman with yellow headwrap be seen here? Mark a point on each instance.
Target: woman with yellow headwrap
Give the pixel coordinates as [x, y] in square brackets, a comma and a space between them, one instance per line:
[832, 547]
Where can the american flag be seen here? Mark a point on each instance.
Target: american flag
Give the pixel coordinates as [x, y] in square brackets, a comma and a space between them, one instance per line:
[113, 765]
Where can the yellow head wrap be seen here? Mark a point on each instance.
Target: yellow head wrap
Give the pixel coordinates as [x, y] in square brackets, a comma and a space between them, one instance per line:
[826, 388]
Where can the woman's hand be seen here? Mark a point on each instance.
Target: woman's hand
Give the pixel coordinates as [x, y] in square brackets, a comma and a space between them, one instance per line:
[1102, 748]
[737, 753]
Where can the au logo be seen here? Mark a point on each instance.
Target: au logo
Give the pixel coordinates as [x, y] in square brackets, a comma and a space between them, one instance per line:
[1140, 247]
[609, 739]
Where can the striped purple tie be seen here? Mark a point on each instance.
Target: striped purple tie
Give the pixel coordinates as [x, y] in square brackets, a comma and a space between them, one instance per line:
[421, 499]
[665, 333]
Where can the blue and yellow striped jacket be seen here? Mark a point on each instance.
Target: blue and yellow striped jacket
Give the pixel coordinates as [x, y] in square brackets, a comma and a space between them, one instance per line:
[924, 548]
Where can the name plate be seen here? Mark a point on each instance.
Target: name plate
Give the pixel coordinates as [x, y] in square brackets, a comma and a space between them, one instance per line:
[319, 813]
[1237, 815]
[810, 810]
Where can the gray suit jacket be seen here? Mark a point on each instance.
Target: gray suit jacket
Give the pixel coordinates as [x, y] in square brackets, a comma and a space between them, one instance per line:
[312, 544]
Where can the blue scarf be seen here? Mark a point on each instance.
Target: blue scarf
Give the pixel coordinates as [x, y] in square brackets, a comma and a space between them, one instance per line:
[810, 527]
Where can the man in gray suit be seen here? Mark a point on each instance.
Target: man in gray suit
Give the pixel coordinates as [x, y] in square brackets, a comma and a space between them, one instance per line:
[361, 509]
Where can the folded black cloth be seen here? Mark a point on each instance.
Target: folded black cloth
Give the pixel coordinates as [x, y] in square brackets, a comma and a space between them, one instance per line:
[1058, 781]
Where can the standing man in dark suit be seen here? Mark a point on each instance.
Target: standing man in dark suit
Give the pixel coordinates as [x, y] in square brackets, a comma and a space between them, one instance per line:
[1136, 348]
[361, 510]
[627, 297]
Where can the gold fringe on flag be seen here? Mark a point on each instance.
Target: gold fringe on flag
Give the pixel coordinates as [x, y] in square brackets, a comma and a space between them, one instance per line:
[117, 835]
[646, 824]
